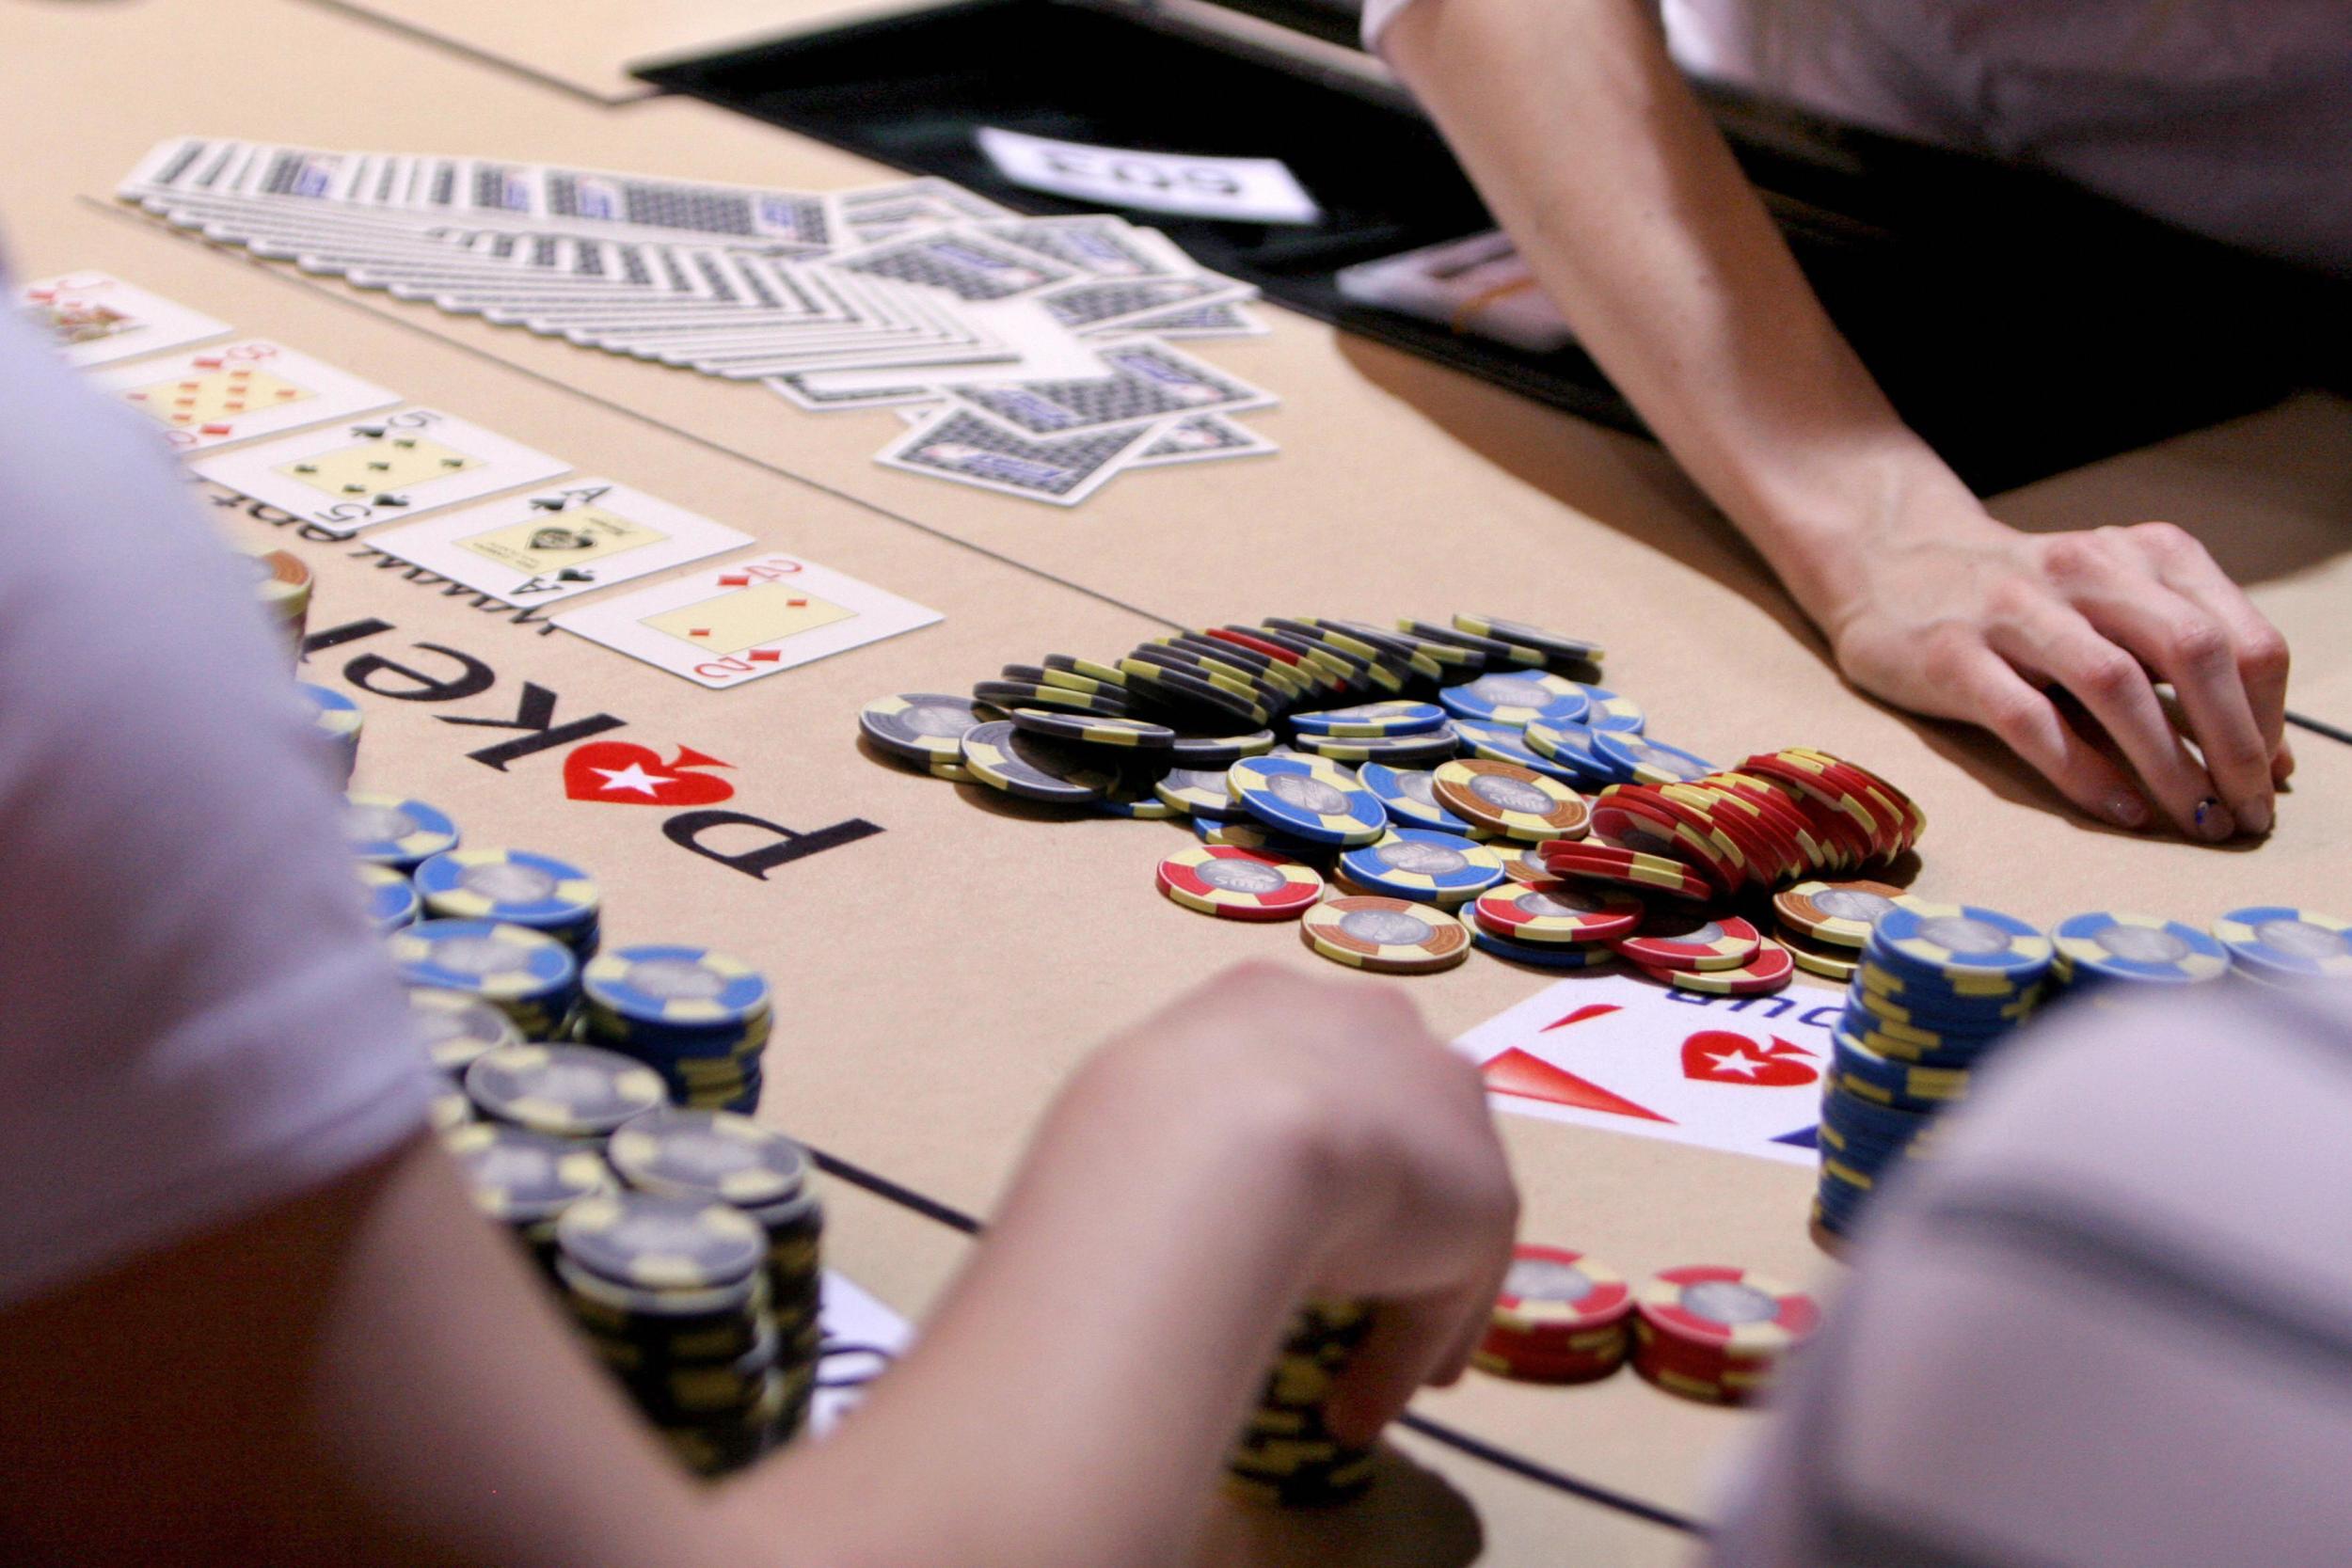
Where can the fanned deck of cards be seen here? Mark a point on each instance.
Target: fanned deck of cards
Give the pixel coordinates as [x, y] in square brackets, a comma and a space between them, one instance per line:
[1038, 354]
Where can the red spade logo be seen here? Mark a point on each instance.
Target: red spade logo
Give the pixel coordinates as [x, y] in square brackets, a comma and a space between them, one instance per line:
[1721, 1057]
[618, 772]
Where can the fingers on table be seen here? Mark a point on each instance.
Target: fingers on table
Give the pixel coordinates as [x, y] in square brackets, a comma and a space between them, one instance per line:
[1995, 695]
[2256, 646]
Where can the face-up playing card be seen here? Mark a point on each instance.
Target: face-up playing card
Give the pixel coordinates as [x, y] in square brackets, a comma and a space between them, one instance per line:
[389, 466]
[209, 397]
[95, 317]
[723, 626]
[1737, 1073]
[961, 445]
[1147, 381]
[549, 545]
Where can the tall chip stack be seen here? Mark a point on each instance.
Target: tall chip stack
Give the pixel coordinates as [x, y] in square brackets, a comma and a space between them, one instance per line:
[526, 1180]
[672, 1296]
[515, 887]
[1286, 1455]
[698, 1016]
[527, 974]
[1936, 988]
[717, 1155]
[575, 1092]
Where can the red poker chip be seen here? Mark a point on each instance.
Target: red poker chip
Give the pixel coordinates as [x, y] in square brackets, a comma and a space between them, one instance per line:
[1632, 822]
[1672, 938]
[1772, 805]
[1573, 861]
[1840, 805]
[1770, 857]
[1725, 860]
[1771, 970]
[1818, 806]
[1726, 1311]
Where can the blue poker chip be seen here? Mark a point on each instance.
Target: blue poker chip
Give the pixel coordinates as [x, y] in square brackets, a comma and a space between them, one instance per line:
[1609, 711]
[2102, 946]
[512, 965]
[386, 829]
[390, 898]
[1250, 834]
[2272, 941]
[1425, 865]
[1650, 762]
[1499, 743]
[1372, 720]
[1569, 747]
[1408, 796]
[1868, 1121]
[1543, 955]
[516, 886]
[1958, 943]
[678, 986]
[1886, 1081]
[1517, 698]
[1308, 797]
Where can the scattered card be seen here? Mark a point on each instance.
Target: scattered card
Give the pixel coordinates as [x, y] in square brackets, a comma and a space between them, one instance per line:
[551, 545]
[1203, 438]
[1736, 1073]
[95, 317]
[209, 397]
[723, 626]
[958, 443]
[383, 468]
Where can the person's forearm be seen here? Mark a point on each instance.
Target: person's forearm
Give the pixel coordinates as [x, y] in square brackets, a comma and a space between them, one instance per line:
[1593, 152]
[1072, 1398]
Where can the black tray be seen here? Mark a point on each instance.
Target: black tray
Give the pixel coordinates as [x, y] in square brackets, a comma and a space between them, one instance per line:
[2023, 327]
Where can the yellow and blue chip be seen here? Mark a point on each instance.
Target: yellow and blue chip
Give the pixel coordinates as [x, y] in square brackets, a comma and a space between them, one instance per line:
[1308, 797]
[1372, 720]
[676, 984]
[1518, 698]
[1425, 865]
[387, 829]
[390, 898]
[709, 1154]
[2272, 941]
[565, 1091]
[1953, 942]
[516, 887]
[2102, 946]
[511, 965]
[645, 1242]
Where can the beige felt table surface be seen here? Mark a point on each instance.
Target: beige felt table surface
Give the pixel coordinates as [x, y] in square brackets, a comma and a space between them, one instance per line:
[940, 978]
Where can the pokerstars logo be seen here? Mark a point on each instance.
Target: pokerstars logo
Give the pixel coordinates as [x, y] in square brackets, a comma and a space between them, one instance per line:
[617, 773]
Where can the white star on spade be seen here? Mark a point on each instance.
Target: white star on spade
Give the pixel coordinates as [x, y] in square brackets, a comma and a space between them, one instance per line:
[632, 777]
[1738, 1061]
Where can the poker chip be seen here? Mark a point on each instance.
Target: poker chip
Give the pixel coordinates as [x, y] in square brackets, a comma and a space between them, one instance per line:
[1771, 970]
[1286, 1456]
[1404, 751]
[1308, 797]
[1555, 913]
[1837, 914]
[1524, 864]
[523, 1179]
[1094, 730]
[1718, 1333]
[1250, 834]
[389, 898]
[457, 1030]
[923, 727]
[2136, 949]
[651, 1242]
[2272, 942]
[1510, 799]
[1958, 942]
[1495, 650]
[1107, 702]
[1560, 1317]
[1035, 767]
[1631, 816]
[336, 720]
[1819, 958]
[1601, 862]
[528, 974]
[1372, 720]
[1136, 799]
[1607, 711]
[1183, 686]
[674, 985]
[446, 1107]
[1216, 751]
[565, 1091]
[705, 1155]
[1571, 747]
[1235, 884]
[514, 887]
[1496, 744]
[1571, 650]
[1542, 955]
[1425, 865]
[1891, 1080]
[1516, 699]
[1646, 761]
[1408, 797]
[1200, 791]
[386, 829]
[1387, 936]
[1671, 939]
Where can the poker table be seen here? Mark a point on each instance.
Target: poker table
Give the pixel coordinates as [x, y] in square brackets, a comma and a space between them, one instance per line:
[937, 980]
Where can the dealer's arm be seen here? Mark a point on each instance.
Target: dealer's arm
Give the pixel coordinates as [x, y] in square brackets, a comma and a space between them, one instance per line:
[1576, 128]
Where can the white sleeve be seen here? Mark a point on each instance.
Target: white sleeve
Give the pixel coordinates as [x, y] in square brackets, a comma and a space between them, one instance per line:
[195, 1017]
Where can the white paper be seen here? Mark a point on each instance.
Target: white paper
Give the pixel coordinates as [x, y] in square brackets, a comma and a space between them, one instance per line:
[1246, 190]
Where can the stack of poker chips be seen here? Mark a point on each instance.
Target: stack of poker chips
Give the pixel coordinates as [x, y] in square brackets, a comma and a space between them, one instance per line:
[1286, 1455]
[1718, 1334]
[672, 1294]
[390, 831]
[696, 1016]
[2278, 948]
[716, 1155]
[1937, 986]
[283, 585]
[565, 1091]
[1825, 924]
[514, 887]
[526, 1180]
[530, 976]
[389, 898]
[336, 720]
[456, 1031]
[1562, 1317]
[2106, 956]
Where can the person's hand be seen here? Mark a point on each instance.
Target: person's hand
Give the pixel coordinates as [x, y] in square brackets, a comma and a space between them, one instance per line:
[1417, 1210]
[1962, 617]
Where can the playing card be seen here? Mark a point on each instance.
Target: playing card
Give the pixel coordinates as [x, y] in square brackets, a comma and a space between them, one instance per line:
[551, 545]
[724, 626]
[1737, 1073]
[208, 397]
[390, 465]
[961, 445]
[861, 1340]
[1227, 320]
[1203, 438]
[95, 317]
[1101, 303]
[1480, 285]
[1147, 381]
[1097, 244]
[967, 264]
